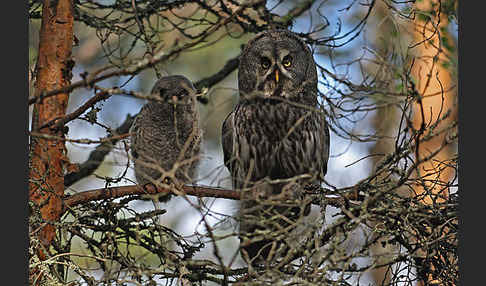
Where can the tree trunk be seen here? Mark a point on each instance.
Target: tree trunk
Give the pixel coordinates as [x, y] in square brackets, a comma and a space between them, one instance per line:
[47, 158]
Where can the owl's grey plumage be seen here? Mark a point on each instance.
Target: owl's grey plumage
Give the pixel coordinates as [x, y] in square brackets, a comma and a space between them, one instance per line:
[166, 131]
[274, 132]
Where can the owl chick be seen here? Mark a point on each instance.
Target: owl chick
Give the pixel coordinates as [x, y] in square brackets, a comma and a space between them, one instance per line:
[165, 133]
[274, 133]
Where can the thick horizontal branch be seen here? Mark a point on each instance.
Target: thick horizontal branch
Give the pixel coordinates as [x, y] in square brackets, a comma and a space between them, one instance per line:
[196, 191]
[117, 192]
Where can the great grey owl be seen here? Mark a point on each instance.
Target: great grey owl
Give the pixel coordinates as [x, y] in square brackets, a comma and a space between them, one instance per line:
[166, 132]
[275, 133]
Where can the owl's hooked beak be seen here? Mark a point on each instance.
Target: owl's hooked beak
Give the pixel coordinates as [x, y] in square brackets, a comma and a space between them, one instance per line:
[276, 75]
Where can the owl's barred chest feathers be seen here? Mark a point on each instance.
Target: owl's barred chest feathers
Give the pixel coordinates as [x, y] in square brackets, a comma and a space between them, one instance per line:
[280, 139]
[270, 121]
[162, 131]
[172, 120]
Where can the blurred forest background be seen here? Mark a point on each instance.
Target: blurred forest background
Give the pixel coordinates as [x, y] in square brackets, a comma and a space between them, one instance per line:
[388, 84]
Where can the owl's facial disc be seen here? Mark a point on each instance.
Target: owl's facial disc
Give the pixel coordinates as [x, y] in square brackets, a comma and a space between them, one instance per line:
[275, 72]
[174, 89]
[183, 96]
[179, 95]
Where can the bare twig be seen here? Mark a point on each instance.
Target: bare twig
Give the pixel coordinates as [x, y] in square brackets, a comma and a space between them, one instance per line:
[97, 156]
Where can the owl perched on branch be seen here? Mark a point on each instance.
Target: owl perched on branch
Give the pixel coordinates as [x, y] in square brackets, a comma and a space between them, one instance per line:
[275, 140]
[166, 137]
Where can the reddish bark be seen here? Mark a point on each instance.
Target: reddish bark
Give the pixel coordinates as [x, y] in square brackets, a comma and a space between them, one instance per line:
[47, 157]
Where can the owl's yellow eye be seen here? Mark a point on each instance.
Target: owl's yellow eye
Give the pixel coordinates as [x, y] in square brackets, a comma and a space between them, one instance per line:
[265, 62]
[287, 61]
